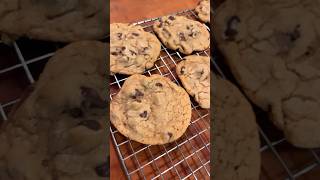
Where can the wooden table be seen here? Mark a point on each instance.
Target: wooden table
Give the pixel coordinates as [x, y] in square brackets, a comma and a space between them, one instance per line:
[128, 11]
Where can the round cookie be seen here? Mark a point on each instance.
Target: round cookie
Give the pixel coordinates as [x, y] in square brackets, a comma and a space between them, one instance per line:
[203, 11]
[182, 34]
[54, 20]
[59, 130]
[275, 59]
[236, 152]
[151, 110]
[194, 73]
[132, 50]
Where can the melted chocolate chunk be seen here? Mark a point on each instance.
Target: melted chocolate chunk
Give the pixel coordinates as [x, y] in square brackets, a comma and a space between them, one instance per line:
[90, 124]
[115, 53]
[137, 94]
[144, 114]
[74, 112]
[91, 98]
[119, 35]
[135, 34]
[133, 53]
[103, 169]
[171, 18]
[182, 37]
[231, 32]
[170, 135]
[159, 84]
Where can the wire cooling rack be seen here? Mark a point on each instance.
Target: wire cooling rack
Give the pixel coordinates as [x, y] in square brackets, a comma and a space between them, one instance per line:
[185, 158]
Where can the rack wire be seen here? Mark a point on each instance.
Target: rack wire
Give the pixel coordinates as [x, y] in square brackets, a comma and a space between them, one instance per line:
[21, 64]
[186, 158]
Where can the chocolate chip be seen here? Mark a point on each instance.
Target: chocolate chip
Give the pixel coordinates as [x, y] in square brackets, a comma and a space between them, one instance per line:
[160, 25]
[170, 135]
[133, 53]
[231, 32]
[103, 169]
[135, 34]
[90, 124]
[74, 112]
[123, 48]
[295, 34]
[159, 84]
[119, 35]
[182, 70]
[144, 114]
[171, 18]
[91, 98]
[182, 37]
[115, 53]
[137, 94]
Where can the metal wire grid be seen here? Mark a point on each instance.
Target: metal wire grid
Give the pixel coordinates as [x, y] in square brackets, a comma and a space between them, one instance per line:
[273, 141]
[186, 158]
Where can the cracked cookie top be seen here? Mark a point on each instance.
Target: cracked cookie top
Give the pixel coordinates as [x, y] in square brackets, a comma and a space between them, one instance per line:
[55, 20]
[235, 133]
[151, 110]
[203, 11]
[182, 34]
[194, 73]
[59, 130]
[272, 48]
[132, 50]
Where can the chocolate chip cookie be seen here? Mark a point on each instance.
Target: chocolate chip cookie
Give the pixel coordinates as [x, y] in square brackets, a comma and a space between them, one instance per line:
[275, 59]
[151, 110]
[182, 34]
[59, 131]
[194, 73]
[203, 11]
[54, 20]
[132, 49]
[236, 152]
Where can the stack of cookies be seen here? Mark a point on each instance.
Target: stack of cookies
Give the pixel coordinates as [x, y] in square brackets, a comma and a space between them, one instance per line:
[154, 110]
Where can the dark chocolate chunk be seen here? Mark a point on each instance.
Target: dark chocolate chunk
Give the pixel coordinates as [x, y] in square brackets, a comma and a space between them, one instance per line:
[170, 135]
[135, 34]
[182, 37]
[115, 53]
[74, 112]
[295, 34]
[171, 18]
[144, 114]
[182, 70]
[123, 48]
[133, 53]
[103, 169]
[158, 84]
[119, 35]
[91, 124]
[231, 32]
[137, 94]
[91, 98]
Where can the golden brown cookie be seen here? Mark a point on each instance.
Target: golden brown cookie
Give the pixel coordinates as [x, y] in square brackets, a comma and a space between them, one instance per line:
[151, 110]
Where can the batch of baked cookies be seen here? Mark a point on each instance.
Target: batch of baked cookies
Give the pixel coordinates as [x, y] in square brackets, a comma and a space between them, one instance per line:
[57, 130]
[153, 109]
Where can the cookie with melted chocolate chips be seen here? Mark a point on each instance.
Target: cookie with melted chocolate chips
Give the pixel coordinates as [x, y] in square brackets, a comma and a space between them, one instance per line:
[151, 110]
[59, 130]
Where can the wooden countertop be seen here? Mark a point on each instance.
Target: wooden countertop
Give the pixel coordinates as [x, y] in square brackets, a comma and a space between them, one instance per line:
[128, 11]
